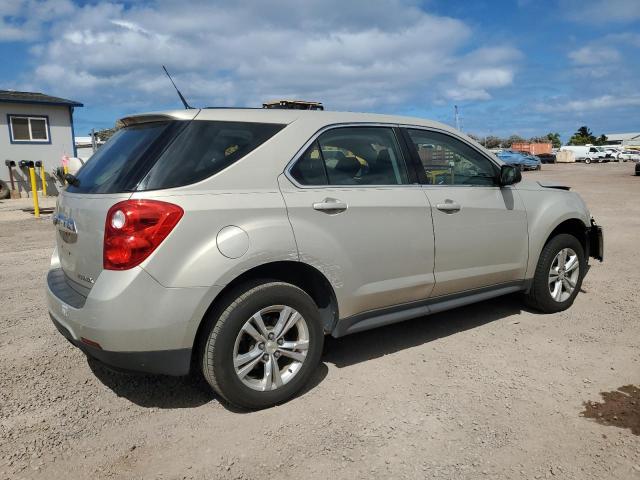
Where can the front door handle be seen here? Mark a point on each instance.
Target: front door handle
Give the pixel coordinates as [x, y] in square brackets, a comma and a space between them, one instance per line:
[449, 206]
[330, 205]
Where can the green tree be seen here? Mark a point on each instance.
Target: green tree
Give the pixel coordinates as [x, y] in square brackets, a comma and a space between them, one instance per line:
[582, 136]
[106, 133]
[511, 140]
[554, 138]
[601, 140]
[492, 141]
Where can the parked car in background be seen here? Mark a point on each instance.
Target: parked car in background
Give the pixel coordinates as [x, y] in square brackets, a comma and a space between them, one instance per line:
[610, 152]
[632, 155]
[524, 161]
[547, 157]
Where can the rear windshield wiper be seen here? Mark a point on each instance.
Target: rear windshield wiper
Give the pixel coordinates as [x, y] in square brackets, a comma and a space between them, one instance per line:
[71, 179]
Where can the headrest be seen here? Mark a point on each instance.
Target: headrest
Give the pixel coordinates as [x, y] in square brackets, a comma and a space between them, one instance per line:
[348, 165]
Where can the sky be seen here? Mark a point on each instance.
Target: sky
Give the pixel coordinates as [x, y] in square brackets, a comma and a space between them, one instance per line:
[521, 67]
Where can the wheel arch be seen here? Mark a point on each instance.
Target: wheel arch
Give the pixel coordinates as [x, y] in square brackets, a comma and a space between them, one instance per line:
[300, 274]
[572, 226]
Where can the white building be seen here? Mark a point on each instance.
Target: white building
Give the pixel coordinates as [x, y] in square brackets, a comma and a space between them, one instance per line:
[625, 139]
[34, 127]
[84, 147]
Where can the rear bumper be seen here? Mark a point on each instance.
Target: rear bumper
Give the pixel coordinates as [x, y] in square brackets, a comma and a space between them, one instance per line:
[164, 362]
[129, 321]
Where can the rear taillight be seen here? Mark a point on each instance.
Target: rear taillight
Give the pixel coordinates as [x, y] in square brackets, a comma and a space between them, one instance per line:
[134, 228]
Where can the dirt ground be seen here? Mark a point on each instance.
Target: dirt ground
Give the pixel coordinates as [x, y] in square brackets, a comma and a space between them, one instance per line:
[485, 391]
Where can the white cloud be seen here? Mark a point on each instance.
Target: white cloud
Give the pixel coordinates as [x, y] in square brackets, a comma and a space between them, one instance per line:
[22, 20]
[486, 78]
[351, 55]
[590, 104]
[628, 39]
[594, 11]
[595, 55]
[467, 94]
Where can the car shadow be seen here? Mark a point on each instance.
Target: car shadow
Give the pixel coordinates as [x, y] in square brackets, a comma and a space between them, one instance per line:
[364, 346]
[165, 392]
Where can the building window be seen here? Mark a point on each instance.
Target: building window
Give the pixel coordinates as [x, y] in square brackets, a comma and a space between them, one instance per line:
[32, 129]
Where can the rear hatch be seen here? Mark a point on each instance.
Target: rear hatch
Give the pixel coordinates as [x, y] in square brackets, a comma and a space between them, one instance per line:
[110, 176]
[80, 221]
[150, 152]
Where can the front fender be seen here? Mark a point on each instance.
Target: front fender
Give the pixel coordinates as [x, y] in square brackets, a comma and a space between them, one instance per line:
[546, 210]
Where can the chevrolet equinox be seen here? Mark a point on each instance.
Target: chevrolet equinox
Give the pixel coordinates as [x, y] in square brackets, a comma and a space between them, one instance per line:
[231, 241]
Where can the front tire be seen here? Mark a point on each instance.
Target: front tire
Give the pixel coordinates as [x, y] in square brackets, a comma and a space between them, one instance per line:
[559, 273]
[264, 346]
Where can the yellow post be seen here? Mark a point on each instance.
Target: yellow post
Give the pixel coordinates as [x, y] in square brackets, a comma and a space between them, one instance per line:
[65, 169]
[34, 191]
[43, 177]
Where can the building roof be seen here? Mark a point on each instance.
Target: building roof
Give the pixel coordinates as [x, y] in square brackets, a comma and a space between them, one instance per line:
[620, 137]
[12, 96]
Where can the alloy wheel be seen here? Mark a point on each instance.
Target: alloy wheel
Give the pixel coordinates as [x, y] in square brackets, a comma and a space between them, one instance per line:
[564, 274]
[271, 348]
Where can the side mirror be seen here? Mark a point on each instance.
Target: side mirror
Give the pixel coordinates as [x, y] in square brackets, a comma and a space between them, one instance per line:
[509, 174]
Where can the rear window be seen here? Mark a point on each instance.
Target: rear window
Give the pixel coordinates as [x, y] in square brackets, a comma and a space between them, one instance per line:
[159, 155]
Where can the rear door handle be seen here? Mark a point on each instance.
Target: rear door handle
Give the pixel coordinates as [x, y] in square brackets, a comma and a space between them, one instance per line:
[330, 205]
[449, 206]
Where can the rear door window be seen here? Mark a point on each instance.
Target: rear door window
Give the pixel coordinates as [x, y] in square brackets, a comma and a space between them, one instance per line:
[352, 156]
[160, 155]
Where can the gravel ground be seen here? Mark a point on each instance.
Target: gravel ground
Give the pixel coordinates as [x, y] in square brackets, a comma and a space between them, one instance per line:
[485, 391]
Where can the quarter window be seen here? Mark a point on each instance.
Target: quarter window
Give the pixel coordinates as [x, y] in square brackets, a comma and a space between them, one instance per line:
[352, 156]
[28, 128]
[449, 161]
[310, 169]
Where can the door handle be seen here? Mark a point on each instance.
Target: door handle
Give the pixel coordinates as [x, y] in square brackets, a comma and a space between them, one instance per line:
[449, 206]
[330, 205]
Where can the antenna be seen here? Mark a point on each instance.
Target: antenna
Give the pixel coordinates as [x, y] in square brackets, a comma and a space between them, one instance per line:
[457, 117]
[184, 102]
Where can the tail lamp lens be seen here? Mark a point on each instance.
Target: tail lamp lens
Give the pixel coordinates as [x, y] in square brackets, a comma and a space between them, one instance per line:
[134, 229]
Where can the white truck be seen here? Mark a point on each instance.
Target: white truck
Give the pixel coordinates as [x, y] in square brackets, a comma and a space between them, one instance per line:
[586, 153]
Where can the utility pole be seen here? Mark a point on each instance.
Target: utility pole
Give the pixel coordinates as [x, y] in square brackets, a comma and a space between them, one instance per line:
[457, 117]
[94, 145]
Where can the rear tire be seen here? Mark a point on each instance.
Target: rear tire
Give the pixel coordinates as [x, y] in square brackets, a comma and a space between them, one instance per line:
[556, 284]
[587, 161]
[248, 359]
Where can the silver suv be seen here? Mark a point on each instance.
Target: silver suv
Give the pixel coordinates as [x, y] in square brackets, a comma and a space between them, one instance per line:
[230, 241]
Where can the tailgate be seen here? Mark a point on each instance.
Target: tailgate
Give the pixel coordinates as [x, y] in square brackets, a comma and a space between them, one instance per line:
[80, 220]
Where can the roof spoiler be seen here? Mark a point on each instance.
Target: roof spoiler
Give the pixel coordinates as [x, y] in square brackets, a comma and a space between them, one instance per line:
[157, 117]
